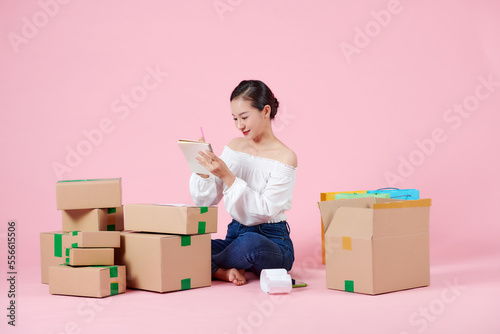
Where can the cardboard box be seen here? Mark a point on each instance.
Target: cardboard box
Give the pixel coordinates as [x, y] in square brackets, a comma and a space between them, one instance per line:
[168, 218]
[87, 281]
[51, 253]
[376, 245]
[89, 256]
[53, 247]
[91, 239]
[330, 196]
[162, 263]
[89, 194]
[109, 219]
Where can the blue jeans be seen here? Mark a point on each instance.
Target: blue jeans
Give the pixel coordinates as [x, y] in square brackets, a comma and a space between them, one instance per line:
[253, 248]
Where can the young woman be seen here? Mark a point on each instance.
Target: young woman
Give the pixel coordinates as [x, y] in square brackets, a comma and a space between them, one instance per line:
[255, 175]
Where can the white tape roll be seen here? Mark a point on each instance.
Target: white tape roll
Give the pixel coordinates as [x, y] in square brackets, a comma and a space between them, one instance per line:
[275, 281]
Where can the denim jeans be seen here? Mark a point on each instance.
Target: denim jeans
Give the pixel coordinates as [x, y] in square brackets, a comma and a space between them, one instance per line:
[253, 248]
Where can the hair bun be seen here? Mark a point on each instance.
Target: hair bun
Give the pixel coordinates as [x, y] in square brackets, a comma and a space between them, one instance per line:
[274, 110]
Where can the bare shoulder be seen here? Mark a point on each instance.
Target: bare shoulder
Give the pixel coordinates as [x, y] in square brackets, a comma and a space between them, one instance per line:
[288, 157]
[237, 143]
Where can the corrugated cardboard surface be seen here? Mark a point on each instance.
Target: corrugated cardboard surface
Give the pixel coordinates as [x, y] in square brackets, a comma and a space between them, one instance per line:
[93, 219]
[160, 218]
[373, 248]
[160, 262]
[401, 262]
[88, 194]
[85, 281]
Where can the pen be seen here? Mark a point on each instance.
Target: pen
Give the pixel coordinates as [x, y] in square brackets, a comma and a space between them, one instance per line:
[202, 135]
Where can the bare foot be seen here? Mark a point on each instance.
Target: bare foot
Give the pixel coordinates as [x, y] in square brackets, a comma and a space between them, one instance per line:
[231, 275]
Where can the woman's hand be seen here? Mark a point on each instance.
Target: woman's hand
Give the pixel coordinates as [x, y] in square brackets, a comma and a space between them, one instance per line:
[205, 176]
[216, 166]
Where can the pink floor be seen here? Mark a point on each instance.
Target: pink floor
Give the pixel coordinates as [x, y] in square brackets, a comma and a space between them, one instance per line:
[462, 298]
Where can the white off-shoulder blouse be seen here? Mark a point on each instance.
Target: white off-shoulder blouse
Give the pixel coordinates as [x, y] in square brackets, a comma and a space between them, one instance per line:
[261, 192]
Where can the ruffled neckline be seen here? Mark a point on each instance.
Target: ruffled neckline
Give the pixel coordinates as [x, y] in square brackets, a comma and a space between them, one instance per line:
[257, 161]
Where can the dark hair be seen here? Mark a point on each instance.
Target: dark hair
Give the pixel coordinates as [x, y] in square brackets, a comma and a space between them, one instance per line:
[258, 93]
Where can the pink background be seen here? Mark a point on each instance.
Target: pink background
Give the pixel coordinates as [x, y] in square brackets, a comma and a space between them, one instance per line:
[369, 93]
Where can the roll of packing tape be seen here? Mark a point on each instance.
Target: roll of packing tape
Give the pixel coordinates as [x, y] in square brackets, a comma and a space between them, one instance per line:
[275, 281]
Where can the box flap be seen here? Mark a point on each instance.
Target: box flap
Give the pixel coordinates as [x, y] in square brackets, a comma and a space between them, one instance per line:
[352, 222]
[329, 208]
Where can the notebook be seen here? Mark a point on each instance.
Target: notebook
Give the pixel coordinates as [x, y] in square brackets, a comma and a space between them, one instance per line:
[190, 148]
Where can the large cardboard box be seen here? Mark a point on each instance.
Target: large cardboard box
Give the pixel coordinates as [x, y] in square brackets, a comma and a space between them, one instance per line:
[54, 245]
[89, 194]
[87, 281]
[109, 219]
[169, 218]
[376, 245]
[162, 262]
[330, 196]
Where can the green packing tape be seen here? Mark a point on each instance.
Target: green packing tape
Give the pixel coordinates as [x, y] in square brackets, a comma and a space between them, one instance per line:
[74, 233]
[67, 251]
[113, 288]
[111, 227]
[113, 271]
[58, 245]
[111, 210]
[67, 260]
[186, 284]
[202, 226]
[349, 286]
[74, 245]
[185, 240]
[203, 209]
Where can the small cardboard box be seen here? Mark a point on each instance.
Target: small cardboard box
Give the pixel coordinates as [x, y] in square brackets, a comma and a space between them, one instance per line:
[169, 218]
[87, 281]
[53, 246]
[89, 194]
[91, 239]
[162, 263]
[109, 219]
[376, 245]
[89, 256]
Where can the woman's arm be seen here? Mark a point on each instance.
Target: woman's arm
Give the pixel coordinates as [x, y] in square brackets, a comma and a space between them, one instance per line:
[205, 191]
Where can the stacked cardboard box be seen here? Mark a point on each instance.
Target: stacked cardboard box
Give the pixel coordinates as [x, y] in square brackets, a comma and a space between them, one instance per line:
[92, 218]
[90, 205]
[168, 247]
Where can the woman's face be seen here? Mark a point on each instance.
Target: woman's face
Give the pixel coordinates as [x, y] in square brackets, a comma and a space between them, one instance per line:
[249, 120]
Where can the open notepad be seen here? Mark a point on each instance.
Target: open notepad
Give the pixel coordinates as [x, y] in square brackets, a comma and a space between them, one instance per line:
[190, 148]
